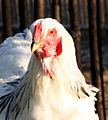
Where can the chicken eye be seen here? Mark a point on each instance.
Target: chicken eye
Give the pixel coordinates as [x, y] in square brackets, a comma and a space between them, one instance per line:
[51, 32]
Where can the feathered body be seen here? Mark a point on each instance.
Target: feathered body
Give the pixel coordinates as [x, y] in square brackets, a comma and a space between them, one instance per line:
[53, 88]
[14, 56]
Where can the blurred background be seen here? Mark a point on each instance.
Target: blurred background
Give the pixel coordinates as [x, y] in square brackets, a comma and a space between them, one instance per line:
[86, 21]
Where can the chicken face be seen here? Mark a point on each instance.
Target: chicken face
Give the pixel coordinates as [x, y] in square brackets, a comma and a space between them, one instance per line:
[46, 41]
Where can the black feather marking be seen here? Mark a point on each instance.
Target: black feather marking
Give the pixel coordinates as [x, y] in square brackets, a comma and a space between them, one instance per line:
[2, 97]
[6, 117]
[4, 100]
[17, 97]
[85, 91]
[4, 86]
[24, 35]
[14, 83]
[17, 113]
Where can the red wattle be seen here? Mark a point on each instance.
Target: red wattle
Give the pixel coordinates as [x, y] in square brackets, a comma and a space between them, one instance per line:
[59, 47]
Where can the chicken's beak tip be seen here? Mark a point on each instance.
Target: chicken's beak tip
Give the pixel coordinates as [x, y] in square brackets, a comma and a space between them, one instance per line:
[32, 46]
[35, 46]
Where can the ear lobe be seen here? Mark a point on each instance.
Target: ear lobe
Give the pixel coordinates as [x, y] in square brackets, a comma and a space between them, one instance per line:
[59, 47]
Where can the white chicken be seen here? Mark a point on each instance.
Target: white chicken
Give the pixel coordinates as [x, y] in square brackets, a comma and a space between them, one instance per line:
[53, 88]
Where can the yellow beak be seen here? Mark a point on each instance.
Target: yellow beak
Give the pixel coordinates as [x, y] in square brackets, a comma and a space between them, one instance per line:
[36, 45]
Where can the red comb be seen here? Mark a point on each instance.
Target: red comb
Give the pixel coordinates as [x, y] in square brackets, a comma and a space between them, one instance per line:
[38, 31]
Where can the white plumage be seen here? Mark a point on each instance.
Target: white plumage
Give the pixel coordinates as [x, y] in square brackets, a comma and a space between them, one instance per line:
[37, 96]
[14, 56]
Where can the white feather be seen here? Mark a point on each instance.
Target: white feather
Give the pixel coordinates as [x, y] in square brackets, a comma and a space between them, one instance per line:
[14, 56]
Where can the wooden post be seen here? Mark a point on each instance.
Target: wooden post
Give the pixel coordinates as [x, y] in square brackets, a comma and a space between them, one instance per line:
[95, 50]
[62, 12]
[39, 9]
[24, 15]
[82, 13]
[86, 11]
[7, 20]
[75, 28]
[106, 11]
[102, 12]
[56, 10]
